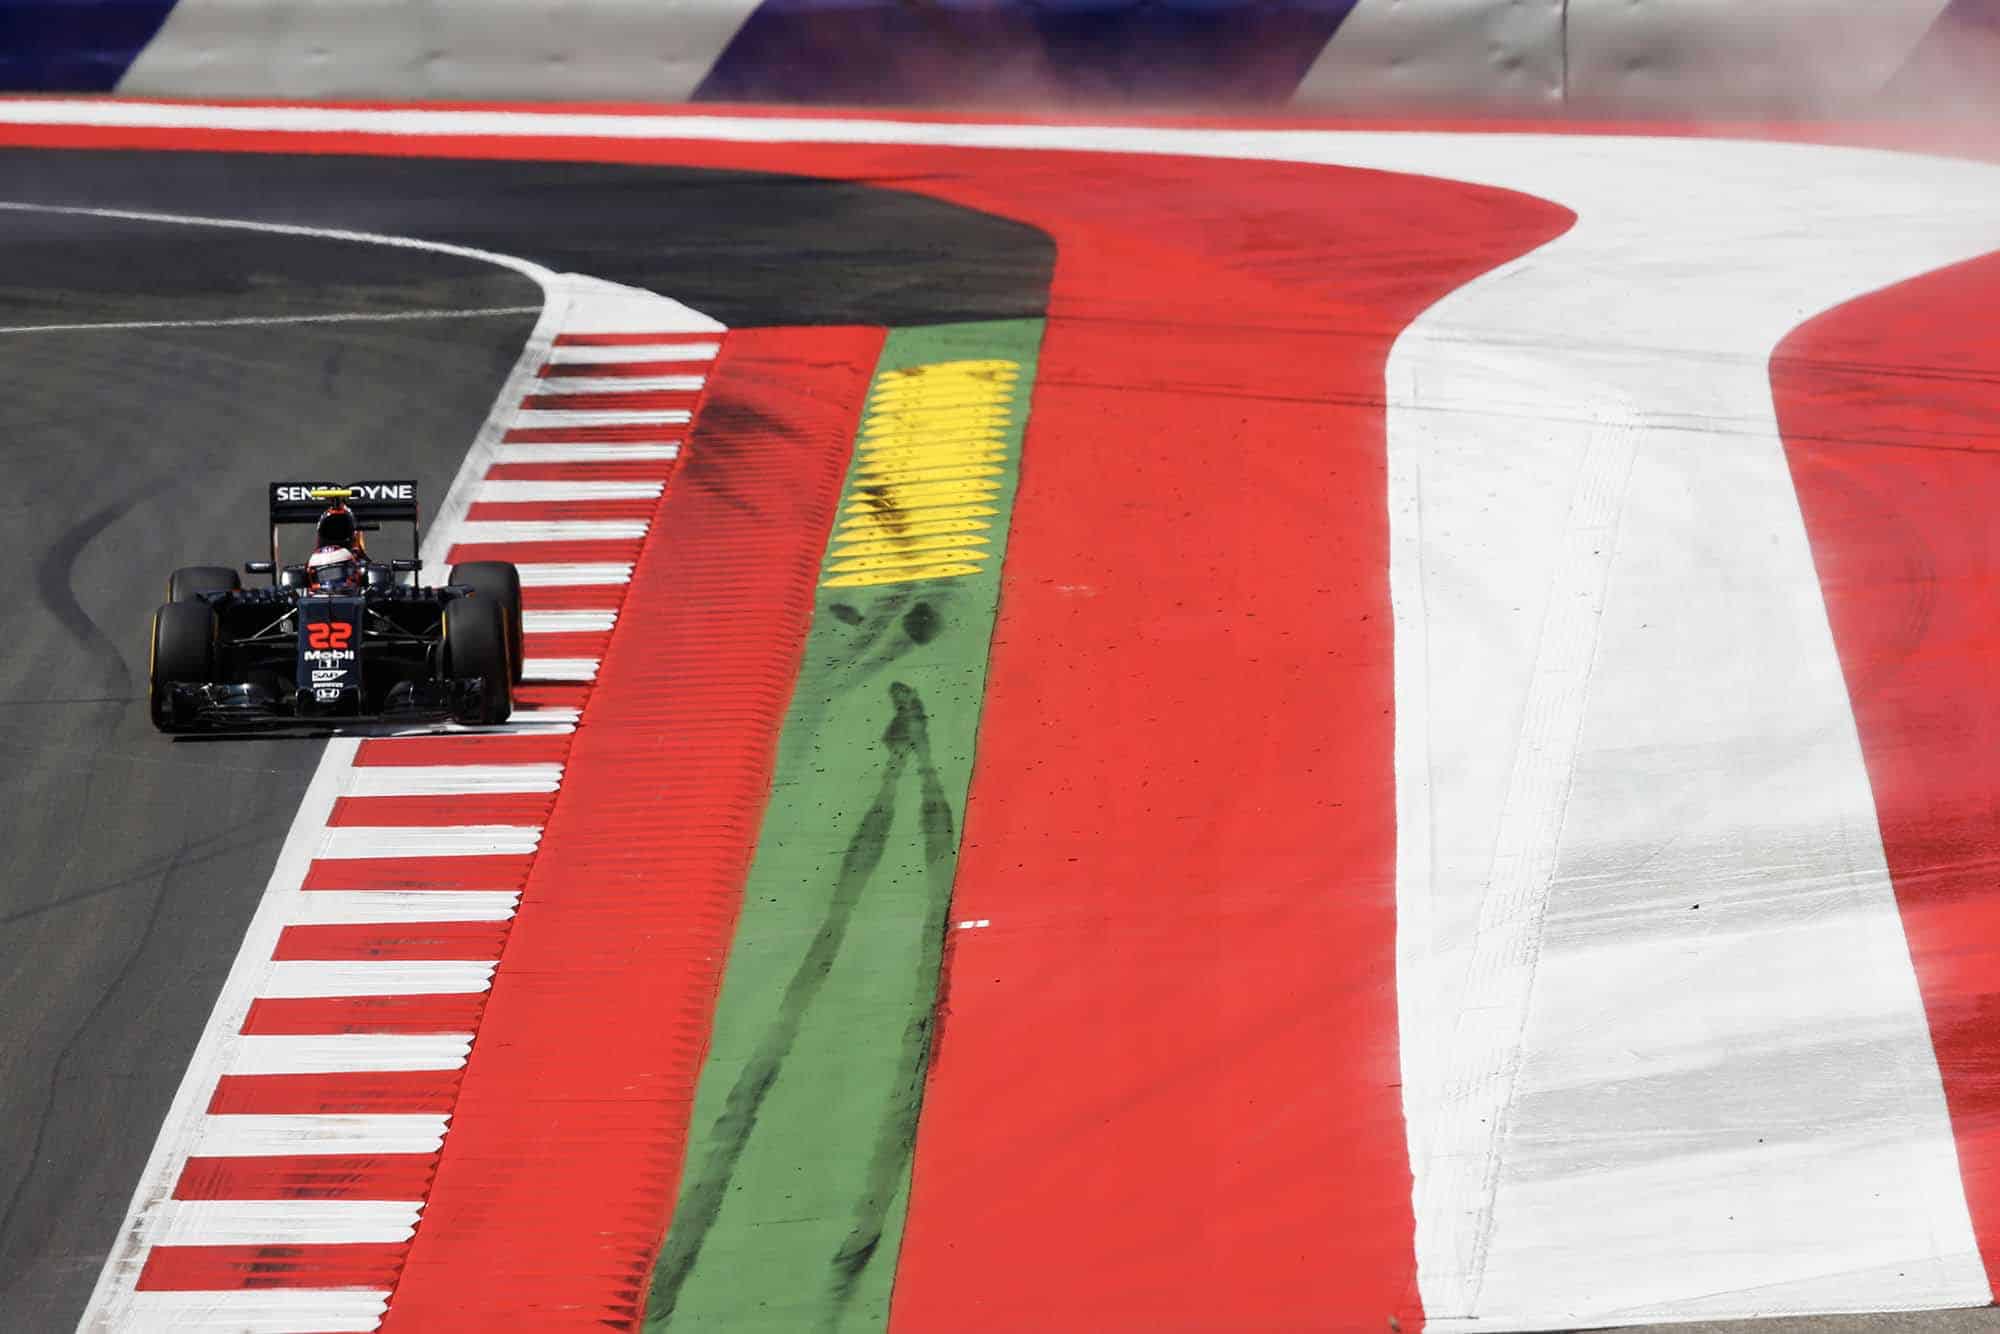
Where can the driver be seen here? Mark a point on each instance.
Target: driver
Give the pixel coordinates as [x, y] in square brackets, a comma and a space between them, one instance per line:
[337, 528]
[333, 570]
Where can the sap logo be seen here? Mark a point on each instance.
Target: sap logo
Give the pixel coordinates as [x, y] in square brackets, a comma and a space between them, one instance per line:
[327, 694]
[324, 674]
[328, 655]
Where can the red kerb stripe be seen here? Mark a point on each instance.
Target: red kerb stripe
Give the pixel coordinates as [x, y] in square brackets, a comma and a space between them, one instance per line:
[620, 470]
[236, 1268]
[473, 748]
[638, 400]
[500, 511]
[596, 435]
[530, 553]
[369, 1092]
[392, 940]
[301, 1016]
[308, 1176]
[431, 812]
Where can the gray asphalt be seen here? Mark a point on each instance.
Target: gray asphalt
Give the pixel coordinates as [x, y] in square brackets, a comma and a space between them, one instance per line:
[132, 864]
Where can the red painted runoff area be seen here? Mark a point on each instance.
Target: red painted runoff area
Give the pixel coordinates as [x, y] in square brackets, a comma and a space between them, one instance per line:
[560, 1171]
[1890, 409]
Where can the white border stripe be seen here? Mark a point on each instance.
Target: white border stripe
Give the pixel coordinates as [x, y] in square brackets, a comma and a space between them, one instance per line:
[348, 842]
[334, 1053]
[279, 1136]
[519, 493]
[299, 979]
[452, 780]
[559, 418]
[621, 384]
[552, 530]
[609, 356]
[256, 1311]
[582, 451]
[567, 622]
[340, 907]
[559, 669]
[286, 1222]
[568, 574]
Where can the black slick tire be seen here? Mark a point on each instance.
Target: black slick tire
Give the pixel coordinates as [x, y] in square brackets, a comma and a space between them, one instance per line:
[475, 644]
[500, 581]
[183, 649]
[186, 582]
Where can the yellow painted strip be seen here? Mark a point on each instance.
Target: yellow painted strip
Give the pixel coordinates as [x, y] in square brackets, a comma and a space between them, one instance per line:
[884, 423]
[879, 577]
[945, 519]
[899, 473]
[889, 546]
[940, 400]
[981, 452]
[985, 437]
[897, 562]
[917, 495]
[967, 367]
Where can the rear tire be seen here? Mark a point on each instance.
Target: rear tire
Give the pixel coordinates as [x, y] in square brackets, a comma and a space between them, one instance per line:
[192, 579]
[475, 644]
[183, 649]
[500, 581]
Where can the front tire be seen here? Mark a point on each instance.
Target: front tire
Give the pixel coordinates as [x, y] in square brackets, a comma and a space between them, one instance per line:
[475, 644]
[190, 580]
[500, 581]
[183, 649]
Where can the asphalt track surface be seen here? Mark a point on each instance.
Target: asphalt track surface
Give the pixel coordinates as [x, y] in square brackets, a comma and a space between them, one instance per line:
[134, 863]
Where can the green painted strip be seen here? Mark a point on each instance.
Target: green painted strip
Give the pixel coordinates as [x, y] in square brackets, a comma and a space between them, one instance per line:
[797, 1177]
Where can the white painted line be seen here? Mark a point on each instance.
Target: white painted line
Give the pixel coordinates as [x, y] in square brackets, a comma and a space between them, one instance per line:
[278, 1136]
[611, 356]
[334, 1053]
[360, 907]
[284, 1222]
[346, 842]
[582, 451]
[542, 716]
[559, 669]
[553, 530]
[445, 780]
[252, 1311]
[564, 574]
[252, 321]
[566, 622]
[298, 979]
[516, 493]
[974, 923]
[558, 418]
[627, 384]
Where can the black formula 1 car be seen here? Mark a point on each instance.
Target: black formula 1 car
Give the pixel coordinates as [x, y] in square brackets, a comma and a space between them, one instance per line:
[333, 640]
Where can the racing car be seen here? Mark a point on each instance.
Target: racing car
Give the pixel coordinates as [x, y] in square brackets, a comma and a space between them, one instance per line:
[340, 636]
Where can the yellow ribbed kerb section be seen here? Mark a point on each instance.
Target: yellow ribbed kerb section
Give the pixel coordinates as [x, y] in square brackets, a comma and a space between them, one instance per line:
[928, 475]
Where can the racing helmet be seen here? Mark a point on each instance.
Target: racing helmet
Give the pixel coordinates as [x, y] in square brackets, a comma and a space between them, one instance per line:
[338, 529]
[333, 568]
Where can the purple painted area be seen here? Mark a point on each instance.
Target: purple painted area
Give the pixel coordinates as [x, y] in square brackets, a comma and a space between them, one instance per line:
[1023, 52]
[74, 46]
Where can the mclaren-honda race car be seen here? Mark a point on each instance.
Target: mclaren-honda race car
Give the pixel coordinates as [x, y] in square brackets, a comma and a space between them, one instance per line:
[340, 636]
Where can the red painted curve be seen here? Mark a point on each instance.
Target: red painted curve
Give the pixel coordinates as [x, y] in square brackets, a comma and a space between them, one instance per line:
[1890, 410]
[560, 1171]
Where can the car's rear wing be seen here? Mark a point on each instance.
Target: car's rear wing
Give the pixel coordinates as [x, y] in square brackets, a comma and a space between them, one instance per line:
[371, 503]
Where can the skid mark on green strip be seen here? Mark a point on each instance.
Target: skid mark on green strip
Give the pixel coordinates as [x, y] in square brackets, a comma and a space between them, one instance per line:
[797, 1176]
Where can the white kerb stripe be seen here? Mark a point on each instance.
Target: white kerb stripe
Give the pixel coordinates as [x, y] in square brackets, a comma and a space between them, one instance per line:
[253, 1311]
[571, 622]
[583, 451]
[565, 417]
[335, 1053]
[553, 530]
[516, 493]
[559, 669]
[344, 842]
[611, 356]
[541, 717]
[278, 1136]
[283, 1222]
[447, 780]
[563, 574]
[310, 978]
[622, 384]
[341, 907]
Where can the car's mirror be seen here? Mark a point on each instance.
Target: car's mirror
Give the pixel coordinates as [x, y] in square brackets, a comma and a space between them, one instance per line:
[406, 566]
[257, 567]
